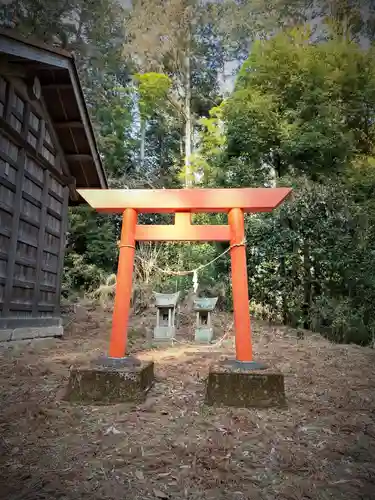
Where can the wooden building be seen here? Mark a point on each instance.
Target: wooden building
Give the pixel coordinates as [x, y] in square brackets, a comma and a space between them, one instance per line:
[47, 150]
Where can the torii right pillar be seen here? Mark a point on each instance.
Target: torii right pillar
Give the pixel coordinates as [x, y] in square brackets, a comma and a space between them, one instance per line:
[243, 382]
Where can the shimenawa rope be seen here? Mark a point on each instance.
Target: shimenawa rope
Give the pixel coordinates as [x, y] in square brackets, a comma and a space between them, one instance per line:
[191, 271]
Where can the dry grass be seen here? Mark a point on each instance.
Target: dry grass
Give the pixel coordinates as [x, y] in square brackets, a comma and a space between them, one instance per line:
[172, 446]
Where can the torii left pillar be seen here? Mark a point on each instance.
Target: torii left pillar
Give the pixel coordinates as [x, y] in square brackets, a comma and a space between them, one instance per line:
[235, 202]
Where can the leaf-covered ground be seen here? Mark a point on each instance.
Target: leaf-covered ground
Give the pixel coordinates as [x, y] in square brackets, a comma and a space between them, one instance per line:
[172, 446]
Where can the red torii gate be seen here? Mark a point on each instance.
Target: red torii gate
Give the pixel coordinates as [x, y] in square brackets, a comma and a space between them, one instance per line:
[183, 202]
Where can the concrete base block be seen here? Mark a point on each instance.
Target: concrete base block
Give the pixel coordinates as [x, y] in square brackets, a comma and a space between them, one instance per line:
[164, 332]
[110, 385]
[230, 386]
[33, 333]
[203, 335]
[5, 335]
[29, 333]
[51, 331]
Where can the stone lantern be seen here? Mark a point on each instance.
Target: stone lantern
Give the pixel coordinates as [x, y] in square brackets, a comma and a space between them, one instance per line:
[166, 304]
[203, 306]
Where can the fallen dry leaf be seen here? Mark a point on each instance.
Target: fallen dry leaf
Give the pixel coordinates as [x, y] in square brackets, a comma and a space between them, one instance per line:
[160, 494]
[139, 475]
[112, 430]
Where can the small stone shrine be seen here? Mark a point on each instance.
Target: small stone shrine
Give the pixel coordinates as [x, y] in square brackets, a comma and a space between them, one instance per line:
[203, 306]
[166, 304]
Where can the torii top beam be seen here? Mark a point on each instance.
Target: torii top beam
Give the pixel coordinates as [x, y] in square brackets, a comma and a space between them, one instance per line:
[184, 200]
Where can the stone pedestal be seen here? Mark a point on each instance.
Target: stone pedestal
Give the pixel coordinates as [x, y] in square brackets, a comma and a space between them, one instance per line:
[203, 335]
[105, 384]
[229, 385]
[164, 333]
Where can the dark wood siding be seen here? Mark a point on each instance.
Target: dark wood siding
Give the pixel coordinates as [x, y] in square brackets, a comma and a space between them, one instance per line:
[33, 209]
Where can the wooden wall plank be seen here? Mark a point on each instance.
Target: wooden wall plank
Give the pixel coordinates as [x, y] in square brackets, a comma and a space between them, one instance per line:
[42, 228]
[8, 101]
[14, 232]
[64, 228]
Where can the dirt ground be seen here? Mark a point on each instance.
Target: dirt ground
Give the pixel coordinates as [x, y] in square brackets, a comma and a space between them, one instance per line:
[172, 446]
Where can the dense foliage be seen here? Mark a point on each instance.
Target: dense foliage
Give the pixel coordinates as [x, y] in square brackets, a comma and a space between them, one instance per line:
[301, 114]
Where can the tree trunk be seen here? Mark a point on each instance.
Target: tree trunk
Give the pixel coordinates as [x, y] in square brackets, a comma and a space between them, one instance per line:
[307, 285]
[278, 166]
[317, 287]
[273, 177]
[284, 301]
[188, 124]
[143, 144]
[283, 272]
